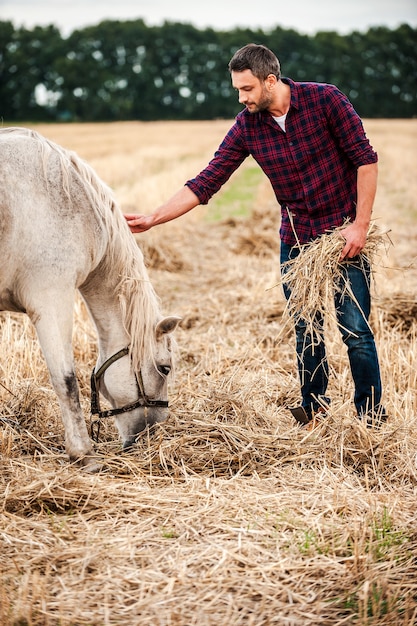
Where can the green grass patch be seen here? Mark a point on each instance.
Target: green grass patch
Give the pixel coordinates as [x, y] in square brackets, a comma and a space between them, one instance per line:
[237, 197]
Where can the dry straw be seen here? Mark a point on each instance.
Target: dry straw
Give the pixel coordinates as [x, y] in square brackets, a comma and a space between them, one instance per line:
[228, 513]
[316, 274]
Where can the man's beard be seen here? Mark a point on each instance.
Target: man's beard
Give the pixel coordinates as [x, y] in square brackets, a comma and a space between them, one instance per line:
[263, 104]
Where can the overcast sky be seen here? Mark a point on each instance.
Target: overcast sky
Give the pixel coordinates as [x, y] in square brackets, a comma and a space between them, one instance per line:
[305, 16]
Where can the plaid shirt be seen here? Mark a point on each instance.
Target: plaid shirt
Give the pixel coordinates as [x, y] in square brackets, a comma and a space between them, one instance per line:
[312, 166]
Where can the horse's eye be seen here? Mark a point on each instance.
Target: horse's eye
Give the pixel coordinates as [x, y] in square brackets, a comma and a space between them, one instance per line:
[164, 369]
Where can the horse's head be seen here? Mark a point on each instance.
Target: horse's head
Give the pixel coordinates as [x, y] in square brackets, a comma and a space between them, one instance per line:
[139, 399]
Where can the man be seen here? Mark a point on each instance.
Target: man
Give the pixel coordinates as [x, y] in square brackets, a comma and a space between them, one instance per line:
[311, 144]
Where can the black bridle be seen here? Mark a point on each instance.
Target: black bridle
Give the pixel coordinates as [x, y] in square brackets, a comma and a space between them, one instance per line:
[142, 402]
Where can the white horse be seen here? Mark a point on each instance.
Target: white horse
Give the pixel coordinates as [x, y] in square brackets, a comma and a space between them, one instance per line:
[61, 230]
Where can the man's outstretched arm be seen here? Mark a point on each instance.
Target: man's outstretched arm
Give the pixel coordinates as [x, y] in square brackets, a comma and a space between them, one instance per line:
[179, 204]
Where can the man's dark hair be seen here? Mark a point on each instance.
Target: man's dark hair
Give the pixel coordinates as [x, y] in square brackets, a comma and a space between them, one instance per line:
[256, 58]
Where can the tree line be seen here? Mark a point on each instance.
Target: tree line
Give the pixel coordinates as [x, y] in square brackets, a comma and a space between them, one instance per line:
[126, 70]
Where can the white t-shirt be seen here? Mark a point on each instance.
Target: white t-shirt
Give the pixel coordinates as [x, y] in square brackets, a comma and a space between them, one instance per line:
[281, 120]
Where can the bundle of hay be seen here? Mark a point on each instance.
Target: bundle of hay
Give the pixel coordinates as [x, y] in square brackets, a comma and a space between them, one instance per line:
[315, 274]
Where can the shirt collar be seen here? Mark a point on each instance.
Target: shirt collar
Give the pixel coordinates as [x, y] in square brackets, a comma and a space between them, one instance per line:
[294, 91]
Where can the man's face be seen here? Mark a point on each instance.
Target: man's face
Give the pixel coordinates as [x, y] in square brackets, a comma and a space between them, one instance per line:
[253, 93]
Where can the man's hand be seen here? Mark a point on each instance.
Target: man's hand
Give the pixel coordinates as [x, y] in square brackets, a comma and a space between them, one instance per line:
[355, 237]
[138, 223]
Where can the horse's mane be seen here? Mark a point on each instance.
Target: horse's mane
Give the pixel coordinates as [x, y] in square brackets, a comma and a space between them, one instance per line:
[138, 301]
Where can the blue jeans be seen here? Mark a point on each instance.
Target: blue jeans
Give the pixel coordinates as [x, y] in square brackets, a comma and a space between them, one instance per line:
[352, 317]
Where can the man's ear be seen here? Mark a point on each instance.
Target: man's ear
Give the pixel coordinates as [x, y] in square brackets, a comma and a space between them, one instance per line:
[271, 81]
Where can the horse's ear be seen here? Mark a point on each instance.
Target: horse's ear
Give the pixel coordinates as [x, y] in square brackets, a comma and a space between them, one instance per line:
[167, 325]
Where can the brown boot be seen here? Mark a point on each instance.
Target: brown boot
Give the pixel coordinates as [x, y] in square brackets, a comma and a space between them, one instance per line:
[317, 419]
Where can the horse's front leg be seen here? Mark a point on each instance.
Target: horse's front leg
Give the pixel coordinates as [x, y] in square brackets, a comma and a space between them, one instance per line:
[54, 329]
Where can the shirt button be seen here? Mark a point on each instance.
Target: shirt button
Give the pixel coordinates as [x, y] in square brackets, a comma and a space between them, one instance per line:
[291, 143]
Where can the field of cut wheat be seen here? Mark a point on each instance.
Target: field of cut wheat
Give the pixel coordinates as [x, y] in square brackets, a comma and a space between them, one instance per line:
[228, 514]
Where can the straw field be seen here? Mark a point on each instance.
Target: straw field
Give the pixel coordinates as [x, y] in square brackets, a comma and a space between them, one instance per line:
[228, 514]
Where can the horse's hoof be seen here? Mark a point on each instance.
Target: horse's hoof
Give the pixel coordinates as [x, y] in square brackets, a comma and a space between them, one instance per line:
[91, 464]
[129, 446]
